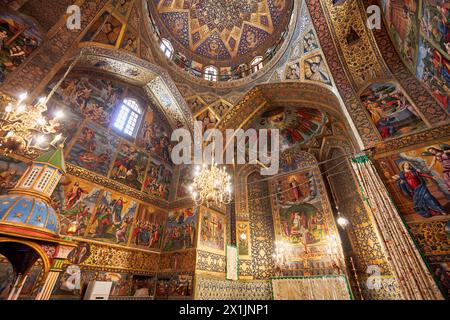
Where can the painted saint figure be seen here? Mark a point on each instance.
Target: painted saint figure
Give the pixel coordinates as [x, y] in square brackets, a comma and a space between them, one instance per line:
[296, 191]
[413, 184]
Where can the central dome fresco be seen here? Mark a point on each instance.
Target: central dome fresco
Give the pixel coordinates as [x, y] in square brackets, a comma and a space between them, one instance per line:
[222, 32]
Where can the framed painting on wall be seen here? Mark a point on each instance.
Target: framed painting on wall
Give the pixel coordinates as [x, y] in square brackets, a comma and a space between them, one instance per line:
[212, 231]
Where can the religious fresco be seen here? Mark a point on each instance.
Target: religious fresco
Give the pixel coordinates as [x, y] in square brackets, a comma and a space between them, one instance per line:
[212, 231]
[73, 282]
[154, 136]
[148, 228]
[158, 180]
[301, 218]
[69, 123]
[19, 37]
[297, 126]
[180, 230]
[93, 98]
[390, 110]
[10, 172]
[94, 149]
[315, 69]
[106, 30]
[310, 42]
[185, 180]
[201, 30]
[75, 200]
[401, 17]
[208, 120]
[174, 285]
[435, 23]
[419, 182]
[420, 30]
[130, 42]
[434, 70]
[113, 218]
[7, 279]
[129, 166]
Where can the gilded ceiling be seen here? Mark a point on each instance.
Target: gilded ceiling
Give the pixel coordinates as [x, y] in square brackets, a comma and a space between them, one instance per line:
[223, 30]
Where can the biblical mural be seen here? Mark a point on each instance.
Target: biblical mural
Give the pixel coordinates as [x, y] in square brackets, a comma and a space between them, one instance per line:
[158, 180]
[174, 285]
[390, 110]
[301, 217]
[315, 69]
[421, 36]
[94, 149]
[154, 136]
[113, 218]
[91, 97]
[180, 230]
[129, 166]
[212, 231]
[420, 181]
[310, 42]
[69, 123]
[435, 23]
[185, 180]
[401, 17]
[10, 172]
[106, 29]
[19, 37]
[75, 201]
[434, 70]
[72, 282]
[148, 229]
[297, 125]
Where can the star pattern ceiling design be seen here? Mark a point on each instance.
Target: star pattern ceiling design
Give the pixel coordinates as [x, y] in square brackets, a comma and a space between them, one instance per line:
[221, 30]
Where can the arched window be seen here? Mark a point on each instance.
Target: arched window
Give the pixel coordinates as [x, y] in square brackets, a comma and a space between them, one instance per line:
[128, 118]
[211, 73]
[166, 48]
[257, 64]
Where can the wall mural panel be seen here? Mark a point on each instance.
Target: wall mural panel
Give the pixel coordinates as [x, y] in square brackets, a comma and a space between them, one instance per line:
[181, 229]
[419, 182]
[94, 149]
[113, 218]
[390, 110]
[159, 180]
[19, 37]
[212, 231]
[420, 30]
[130, 166]
[148, 228]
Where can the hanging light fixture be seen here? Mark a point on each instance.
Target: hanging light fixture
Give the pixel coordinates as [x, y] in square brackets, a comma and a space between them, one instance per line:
[212, 185]
[341, 220]
[26, 128]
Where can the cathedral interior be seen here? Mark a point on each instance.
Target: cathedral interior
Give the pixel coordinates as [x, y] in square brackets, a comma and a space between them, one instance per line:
[94, 205]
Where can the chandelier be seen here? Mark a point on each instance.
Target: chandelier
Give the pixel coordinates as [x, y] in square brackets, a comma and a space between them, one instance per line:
[27, 128]
[211, 186]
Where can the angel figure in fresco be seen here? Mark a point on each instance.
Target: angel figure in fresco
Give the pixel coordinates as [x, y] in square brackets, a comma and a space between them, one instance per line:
[413, 184]
[443, 156]
[315, 70]
[117, 207]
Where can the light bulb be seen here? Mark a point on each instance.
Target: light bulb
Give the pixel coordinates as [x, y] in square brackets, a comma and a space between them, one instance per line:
[21, 108]
[42, 100]
[343, 222]
[40, 139]
[59, 114]
[10, 134]
[9, 108]
[41, 121]
[23, 96]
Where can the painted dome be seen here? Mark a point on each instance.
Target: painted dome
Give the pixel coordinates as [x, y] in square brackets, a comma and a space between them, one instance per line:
[222, 32]
[29, 212]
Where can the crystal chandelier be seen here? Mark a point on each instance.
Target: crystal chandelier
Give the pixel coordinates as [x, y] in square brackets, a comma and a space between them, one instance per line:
[211, 186]
[26, 128]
